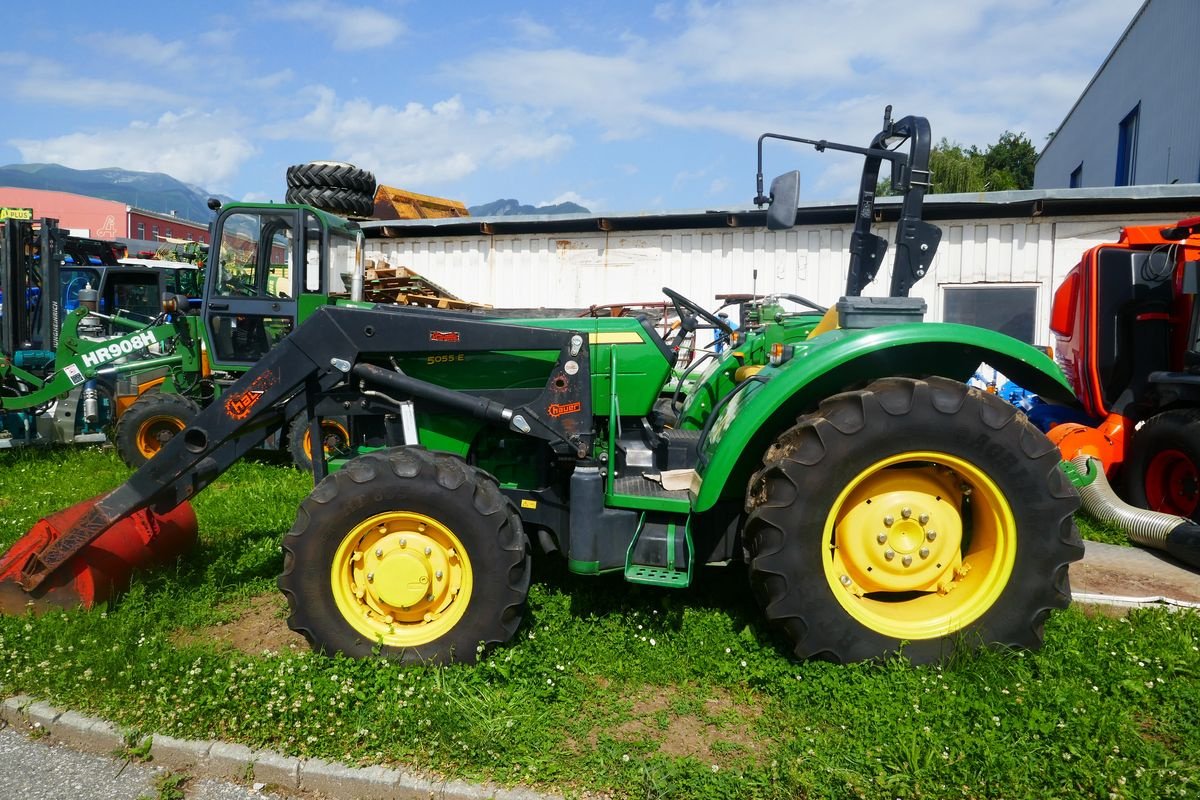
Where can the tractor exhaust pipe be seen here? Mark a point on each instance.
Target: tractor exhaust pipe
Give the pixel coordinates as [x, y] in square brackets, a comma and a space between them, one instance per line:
[31, 580]
[1179, 537]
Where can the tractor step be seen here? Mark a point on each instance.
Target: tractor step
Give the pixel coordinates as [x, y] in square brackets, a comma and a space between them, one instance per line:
[661, 552]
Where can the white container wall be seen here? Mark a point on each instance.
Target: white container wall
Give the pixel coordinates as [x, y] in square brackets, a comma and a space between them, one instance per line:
[581, 269]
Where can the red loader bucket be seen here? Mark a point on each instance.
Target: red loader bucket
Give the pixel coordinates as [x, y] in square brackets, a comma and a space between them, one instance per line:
[102, 568]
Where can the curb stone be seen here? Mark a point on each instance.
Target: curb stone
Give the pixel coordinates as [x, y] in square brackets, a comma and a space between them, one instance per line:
[81, 733]
[213, 759]
[271, 767]
[227, 760]
[12, 710]
[178, 753]
[42, 714]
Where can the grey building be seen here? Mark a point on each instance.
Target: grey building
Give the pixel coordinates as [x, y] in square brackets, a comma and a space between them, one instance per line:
[1138, 120]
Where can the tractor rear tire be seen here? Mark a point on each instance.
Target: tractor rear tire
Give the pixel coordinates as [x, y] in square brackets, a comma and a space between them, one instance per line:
[331, 175]
[407, 553]
[1162, 470]
[149, 423]
[913, 516]
[335, 438]
[336, 201]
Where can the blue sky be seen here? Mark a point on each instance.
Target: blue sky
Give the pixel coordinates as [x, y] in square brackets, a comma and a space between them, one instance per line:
[616, 105]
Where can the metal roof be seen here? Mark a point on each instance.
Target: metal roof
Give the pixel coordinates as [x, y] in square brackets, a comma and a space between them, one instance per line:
[1165, 199]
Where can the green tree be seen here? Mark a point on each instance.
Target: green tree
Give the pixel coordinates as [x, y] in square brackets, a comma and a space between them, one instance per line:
[953, 168]
[1007, 164]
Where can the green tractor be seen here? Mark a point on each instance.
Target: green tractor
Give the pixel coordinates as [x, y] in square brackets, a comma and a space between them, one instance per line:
[85, 338]
[880, 504]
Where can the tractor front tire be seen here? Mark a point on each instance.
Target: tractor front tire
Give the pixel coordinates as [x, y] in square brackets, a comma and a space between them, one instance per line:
[335, 438]
[1162, 470]
[149, 423]
[407, 553]
[913, 516]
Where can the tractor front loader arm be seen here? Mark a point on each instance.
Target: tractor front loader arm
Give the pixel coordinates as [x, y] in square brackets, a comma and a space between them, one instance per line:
[333, 348]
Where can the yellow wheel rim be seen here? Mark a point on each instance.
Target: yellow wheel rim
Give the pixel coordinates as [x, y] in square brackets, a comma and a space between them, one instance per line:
[401, 578]
[898, 556]
[157, 431]
[334, 437]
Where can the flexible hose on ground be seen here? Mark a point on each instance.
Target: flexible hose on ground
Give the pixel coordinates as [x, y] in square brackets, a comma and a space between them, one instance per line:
[1178, 536]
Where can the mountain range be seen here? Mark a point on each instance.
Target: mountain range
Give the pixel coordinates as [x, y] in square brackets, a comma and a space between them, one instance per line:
[152, 191]
[505, 208]
[157, 191]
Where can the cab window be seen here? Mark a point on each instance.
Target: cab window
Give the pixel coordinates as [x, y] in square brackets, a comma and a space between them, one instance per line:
[256, 257]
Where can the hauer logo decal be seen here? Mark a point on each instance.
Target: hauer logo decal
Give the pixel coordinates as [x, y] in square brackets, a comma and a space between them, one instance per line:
[122, 347]
[558, 409]
[238, 405]
[444, 336]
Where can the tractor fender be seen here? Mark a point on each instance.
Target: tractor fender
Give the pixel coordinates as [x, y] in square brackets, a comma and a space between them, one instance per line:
[842, 360]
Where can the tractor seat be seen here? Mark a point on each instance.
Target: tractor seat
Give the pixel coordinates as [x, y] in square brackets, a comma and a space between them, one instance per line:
[658, 340]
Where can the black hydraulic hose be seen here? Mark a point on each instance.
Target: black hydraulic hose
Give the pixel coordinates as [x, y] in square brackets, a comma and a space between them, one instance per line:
[686, 373]
[804, 301]
[712, 416]
[479, 407]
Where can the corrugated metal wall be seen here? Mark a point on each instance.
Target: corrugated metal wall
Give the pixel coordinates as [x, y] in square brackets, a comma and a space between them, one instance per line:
[578, 270]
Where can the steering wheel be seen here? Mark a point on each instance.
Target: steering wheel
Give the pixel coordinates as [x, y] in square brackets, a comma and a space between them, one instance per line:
[682, 305]
[236, 285]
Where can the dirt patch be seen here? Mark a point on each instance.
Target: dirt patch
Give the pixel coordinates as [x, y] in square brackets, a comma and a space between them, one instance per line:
[714, 730]
[260, 624]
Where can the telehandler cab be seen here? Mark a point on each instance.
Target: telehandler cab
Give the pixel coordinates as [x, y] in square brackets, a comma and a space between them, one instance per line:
[878, 501]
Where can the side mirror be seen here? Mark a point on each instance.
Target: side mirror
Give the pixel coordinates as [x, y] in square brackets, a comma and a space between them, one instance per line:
[785, 197]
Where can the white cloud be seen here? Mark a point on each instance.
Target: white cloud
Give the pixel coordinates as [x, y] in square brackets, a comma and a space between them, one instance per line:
[612, 90]
[418, 144]
[530, 30]
[573, 197]
[222, 37]
[145, 48]
[352, 27]
[50, 83]
[271, 81]
[821, 68]
[196, 148]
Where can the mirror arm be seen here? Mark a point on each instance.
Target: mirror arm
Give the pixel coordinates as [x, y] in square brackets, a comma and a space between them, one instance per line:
[820, 145]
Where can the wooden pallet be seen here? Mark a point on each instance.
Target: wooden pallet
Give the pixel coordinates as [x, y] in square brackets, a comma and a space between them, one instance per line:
[384, 283]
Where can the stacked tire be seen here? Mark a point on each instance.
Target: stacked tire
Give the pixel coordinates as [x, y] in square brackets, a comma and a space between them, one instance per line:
[332, 186]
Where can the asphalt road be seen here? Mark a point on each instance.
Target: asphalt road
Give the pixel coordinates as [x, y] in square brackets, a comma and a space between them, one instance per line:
[33, 769]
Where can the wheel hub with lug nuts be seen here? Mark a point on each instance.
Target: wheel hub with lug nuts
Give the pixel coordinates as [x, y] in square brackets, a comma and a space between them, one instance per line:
[924, 578]
[402, 576]
[901, 532]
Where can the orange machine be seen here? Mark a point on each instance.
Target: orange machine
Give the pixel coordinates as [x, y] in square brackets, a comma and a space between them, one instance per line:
[1125, 321]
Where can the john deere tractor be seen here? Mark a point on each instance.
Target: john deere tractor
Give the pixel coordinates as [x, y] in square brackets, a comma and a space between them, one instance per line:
[880, 503]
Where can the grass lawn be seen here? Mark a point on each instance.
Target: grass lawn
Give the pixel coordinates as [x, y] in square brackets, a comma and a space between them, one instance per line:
[609, 687]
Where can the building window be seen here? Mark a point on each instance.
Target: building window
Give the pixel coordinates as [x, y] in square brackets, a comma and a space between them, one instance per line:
[1077, 176]
[168, 233]
[154, 232]
[1127, 135]
[997, 306]
[141, 230]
